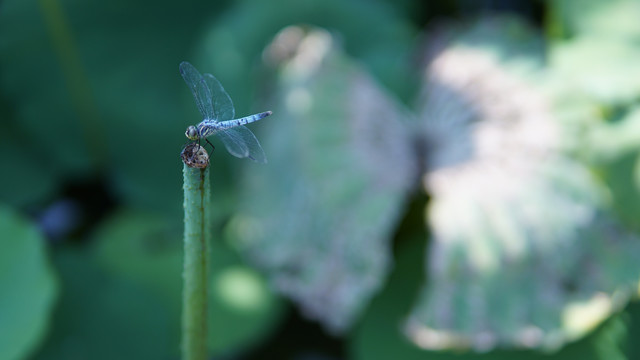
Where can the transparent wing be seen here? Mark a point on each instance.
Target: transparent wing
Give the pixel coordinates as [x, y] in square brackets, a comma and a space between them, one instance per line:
[240, 142]
[222, 104]
[199, 88]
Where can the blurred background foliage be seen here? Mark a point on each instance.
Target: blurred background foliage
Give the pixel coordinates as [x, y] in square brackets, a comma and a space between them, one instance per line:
[451, 179]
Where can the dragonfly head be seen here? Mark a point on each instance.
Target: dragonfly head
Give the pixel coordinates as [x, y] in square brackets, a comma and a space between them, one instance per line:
[192, 133]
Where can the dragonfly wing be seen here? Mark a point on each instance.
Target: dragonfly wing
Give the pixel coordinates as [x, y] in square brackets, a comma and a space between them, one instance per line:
[199, 89]
[222, 104]
[240, 142]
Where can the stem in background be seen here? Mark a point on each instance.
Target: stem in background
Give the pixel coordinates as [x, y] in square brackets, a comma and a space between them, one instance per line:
[77, 81]
[197, 204]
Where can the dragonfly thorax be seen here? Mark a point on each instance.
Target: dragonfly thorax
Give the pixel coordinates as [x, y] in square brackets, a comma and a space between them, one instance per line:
[192, 133]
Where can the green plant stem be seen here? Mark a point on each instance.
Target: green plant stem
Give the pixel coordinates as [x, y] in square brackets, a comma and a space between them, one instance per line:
[196, 263]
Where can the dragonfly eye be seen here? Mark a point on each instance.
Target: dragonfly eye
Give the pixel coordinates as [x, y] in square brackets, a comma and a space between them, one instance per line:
[191, 133]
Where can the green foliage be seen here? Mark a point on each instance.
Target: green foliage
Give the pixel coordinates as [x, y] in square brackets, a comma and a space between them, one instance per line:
[379, 335]
[596, 18]
[338, 183]
[106, 317]
[597, 65]
[92, 91]
[384, 48]
[505, 213]
[91, 97]
[145, 250]
[28, 286]
[33, 182]
[602, 68]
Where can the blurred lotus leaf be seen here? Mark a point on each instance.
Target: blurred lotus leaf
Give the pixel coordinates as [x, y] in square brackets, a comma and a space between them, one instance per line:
[28, 288]
[594, 68]
[321, 215]
[598, 49]
[604, 69]
[525, 252]
[611, 18]
[377, 336]
[106, 317]
[31, 79]
[614, 147]
[505, 37]
[30, 181]
[609, 141]
[145, 249]
[237, 39]
[101, 98]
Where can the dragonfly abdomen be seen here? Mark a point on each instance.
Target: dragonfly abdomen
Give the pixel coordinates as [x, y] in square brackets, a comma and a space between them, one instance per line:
[242, 121]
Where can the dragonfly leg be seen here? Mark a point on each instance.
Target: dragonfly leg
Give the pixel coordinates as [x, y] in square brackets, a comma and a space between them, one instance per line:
[213, 148]
[195, 153]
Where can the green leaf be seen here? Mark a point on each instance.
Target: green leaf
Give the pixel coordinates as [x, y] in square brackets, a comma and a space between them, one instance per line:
[611, 18]
[604, 69]
[609, 141]
[146, 249]
[502, 36]
[243, 310]
[632, 315]
[234, 44]
[28, 286]
[31, 180]
[319, 217]
[621, 176]
[525, 252]
[93, 98]
[379, 337]
[106, 317]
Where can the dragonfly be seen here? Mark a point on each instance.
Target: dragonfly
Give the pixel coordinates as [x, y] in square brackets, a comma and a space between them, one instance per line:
[218, 114]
